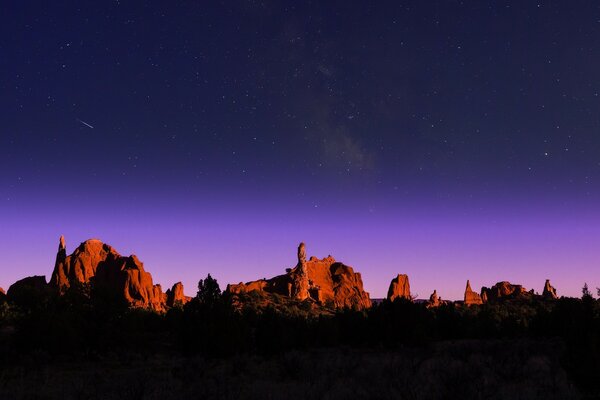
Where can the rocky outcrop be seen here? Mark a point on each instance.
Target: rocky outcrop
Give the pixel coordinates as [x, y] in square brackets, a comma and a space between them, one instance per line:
[28, 291]
[300, 285]
[2, 295]
[471, 298]
[175, 296]
[549, 291]
[80, 266]
[324, 281]
[301, 253]
[124, 277]
[504, 290]
[399, 288]
[434, 300]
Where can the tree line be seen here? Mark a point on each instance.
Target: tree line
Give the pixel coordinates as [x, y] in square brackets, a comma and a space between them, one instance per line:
[88, 323]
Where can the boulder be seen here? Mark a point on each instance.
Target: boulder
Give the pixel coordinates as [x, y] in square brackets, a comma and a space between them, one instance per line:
[175, 295]
[399, 288]
[124, 277]
[549, 291]
[471, 298]
[323, 281]
[504, 290]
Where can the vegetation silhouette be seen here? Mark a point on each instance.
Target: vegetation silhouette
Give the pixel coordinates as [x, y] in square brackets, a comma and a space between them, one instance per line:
[88, 323]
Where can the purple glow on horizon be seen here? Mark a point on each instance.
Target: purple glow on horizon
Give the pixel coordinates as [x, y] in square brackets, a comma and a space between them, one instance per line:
[438, 247]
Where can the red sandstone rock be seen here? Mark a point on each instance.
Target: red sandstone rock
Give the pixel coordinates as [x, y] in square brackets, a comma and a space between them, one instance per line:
[81, 265]
[504, 290]
[549, 291]
[471, 297]
[175, 295]
[324, 281]
[125, 276]
[434, 300]
[399, 288]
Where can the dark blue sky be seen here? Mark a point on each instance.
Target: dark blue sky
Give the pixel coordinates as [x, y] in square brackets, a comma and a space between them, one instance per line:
[475, 111]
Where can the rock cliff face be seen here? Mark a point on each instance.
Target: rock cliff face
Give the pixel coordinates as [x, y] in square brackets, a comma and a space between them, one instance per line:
[123, 276]
[325, 281]
[175, 296]
[549, 291]
[399, 288]
[504, 290]
[471, 298]
[80, 266]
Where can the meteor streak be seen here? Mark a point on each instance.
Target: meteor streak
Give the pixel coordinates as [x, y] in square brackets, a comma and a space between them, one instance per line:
[85, 123]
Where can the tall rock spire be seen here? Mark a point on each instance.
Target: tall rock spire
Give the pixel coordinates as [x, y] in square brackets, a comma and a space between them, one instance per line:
[549, 291]
[300, 284]
[59, 278]
[301, 253]
[62, 244]
[470, 296]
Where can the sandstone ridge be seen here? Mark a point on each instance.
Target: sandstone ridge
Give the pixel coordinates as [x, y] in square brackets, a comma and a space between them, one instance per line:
[324, 281]
[503, 291]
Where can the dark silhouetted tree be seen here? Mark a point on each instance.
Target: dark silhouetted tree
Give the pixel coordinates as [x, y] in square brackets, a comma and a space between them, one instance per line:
[209, 291]
[586, 294]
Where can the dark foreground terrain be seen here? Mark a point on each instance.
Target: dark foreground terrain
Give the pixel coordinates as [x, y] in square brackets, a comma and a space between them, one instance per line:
[85, 344]
[490, 369]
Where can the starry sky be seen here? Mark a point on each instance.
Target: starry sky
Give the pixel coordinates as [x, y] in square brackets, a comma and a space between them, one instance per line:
[447, 140]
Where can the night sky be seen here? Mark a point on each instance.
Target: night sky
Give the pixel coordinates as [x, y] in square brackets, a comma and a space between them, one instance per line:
[446, 140]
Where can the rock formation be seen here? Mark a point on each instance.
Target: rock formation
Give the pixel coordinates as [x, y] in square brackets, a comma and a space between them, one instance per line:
[324, 281]
[301, 253]
[471, 297]
[399, 288]
[28, 291]
[504, 290]
[81, 265]
[2, 295]
[549, 291]
[434, 300]
[123, 276]
[175, 296]
[299, 287]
